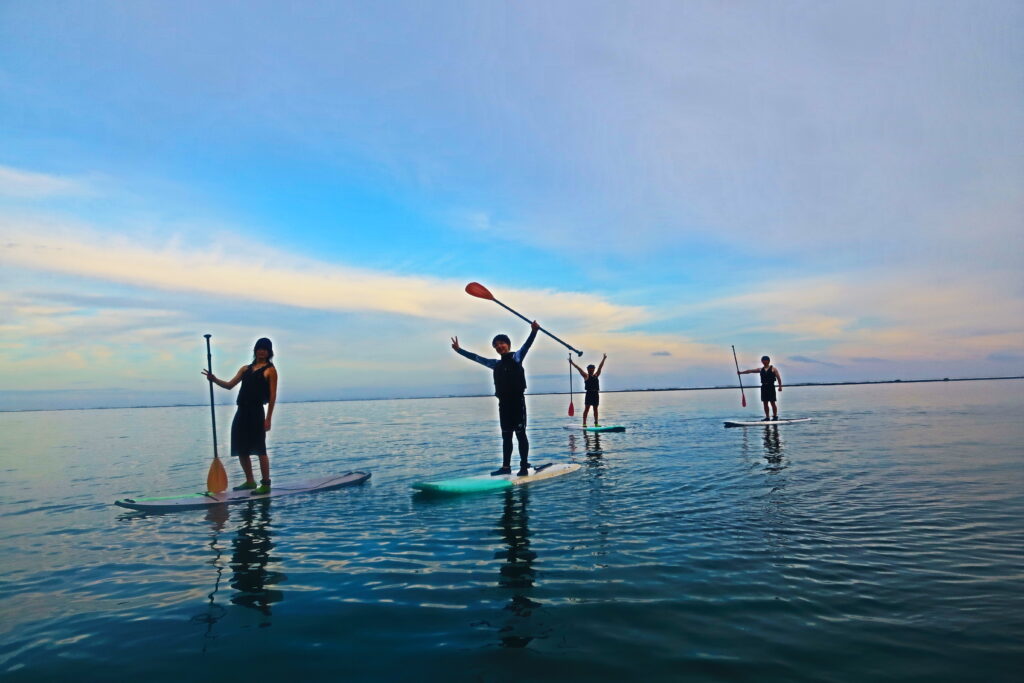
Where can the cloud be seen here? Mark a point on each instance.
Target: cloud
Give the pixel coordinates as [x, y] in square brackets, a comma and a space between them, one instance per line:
[30, 185]
[264, 275]
[1006, 357]
[805, 359]
[661, 353]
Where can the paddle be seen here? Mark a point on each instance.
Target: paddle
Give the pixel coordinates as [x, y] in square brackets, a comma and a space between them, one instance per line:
[738, 376]
[479, 291]
[216, 478]
[572, 411]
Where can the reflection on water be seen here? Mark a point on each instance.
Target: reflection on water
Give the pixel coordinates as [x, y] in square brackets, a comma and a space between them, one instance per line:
[517, 574]
[591, 443]
[773, 448]
[217, 516]
[250, 553]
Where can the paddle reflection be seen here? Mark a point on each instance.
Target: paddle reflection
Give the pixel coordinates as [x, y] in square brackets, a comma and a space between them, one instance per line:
[217, 516]
[517, 573]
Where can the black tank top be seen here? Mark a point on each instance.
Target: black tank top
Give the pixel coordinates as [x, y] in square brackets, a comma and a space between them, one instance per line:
[255, 389]
[767, 376]
[592, 384]
[509, 377]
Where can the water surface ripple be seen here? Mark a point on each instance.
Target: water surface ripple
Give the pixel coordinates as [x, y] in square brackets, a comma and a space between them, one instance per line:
[880, 542]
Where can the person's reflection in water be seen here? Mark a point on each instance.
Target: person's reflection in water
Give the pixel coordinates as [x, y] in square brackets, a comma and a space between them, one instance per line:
[773, 448]
[217, 516]
[250, 554]
[517, 573]
[593, 441]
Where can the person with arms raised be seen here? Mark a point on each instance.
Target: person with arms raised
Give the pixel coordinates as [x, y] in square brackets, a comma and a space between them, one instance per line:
[510, 388]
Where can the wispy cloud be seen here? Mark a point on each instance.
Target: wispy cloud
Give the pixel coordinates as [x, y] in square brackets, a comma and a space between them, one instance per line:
[813, 361]
[23, 184]
[275, 276]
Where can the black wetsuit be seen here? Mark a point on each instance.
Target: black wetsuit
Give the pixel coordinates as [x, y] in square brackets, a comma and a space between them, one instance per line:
[767, 383]
[510, 387]
[248, 436]
[593, 386]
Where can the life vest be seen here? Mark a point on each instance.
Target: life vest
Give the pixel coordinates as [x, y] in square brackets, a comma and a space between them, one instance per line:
[767, 376]
[592, 384]
[509, 377]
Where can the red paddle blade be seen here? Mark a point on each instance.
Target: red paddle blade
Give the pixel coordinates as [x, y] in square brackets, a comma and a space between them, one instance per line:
[572, 411]
[744, 401]
[479, 291]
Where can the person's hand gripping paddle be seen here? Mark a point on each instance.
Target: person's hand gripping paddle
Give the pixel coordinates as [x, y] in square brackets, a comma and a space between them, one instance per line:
[479, 291]
[216, 478]
[742, 395]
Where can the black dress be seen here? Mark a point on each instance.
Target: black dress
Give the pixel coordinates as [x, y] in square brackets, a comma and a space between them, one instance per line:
[767, 383]
[248, 436]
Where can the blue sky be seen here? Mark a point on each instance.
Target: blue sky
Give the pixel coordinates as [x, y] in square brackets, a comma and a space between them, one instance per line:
[835, 184]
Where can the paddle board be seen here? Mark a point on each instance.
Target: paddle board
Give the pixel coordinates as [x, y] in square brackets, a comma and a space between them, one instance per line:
[194, 501]
[760, 423]
[609, 428]
[489, 483]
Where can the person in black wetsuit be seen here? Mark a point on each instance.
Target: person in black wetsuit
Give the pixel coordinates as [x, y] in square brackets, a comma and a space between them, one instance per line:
[509, 387]
[250, 426]
[769, 374]
[592, 385]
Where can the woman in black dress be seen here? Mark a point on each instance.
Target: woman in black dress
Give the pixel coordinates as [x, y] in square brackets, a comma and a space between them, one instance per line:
[250, 426]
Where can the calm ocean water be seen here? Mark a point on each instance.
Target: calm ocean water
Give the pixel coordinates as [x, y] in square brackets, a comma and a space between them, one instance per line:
[884, 541]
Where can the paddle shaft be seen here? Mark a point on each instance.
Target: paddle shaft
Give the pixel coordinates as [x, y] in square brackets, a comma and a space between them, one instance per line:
[213, 415]
[738, 376]
[517, 313]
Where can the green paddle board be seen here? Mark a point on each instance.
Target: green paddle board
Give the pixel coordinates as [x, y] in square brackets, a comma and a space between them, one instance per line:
[494, 483]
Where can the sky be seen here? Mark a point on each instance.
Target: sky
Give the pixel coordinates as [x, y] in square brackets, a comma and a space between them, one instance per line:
[838, 185]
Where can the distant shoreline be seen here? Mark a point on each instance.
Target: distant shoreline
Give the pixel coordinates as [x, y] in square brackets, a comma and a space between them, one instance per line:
[545, 393]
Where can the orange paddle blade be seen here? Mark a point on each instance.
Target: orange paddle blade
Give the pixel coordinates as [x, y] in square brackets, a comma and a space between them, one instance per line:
[217, 478]
[572, 411]
[479, 291]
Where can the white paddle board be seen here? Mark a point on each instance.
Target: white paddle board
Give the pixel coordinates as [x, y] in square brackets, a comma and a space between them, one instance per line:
[194, 501]
[761, 423]
[494, 483]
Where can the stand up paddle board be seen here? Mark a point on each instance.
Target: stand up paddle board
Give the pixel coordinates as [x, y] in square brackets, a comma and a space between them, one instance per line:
[609, 428]
[760, 423]
[495, 483]
[195, 501]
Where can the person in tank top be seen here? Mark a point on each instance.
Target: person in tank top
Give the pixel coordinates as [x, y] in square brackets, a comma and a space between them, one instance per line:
[769, 375]
[592, 385]
[510, 388]
[250, 426]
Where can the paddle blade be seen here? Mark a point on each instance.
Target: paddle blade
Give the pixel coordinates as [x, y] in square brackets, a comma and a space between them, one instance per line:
[572, 411]
[216, 478]
[479, 291]
[744, 401]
